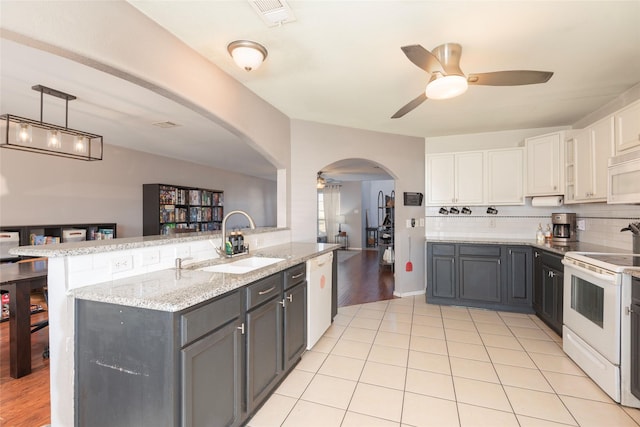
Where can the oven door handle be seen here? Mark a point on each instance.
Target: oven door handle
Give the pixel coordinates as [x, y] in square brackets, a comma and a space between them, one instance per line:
[599, 273]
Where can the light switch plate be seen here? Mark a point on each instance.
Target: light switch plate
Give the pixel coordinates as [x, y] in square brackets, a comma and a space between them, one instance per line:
[580, 225]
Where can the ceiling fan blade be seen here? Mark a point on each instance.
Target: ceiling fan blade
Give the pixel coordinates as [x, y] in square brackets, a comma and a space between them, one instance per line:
[422, 58]
[410, 106]
[509, 78]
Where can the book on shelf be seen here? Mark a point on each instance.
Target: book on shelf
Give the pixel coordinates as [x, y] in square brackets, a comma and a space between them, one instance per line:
[181, 198]
[167, 195]
[194, 197]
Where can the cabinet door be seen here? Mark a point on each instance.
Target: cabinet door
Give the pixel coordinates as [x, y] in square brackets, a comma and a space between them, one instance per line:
[440, 179]
[443, 277]
[264, 351]
[519, 274]
[627, 128]
[552, 297]
[295, 324]
[480, 278]
[505, 177]
[537, 281]
[545, 163]
[469, 178]
[583, 166]
[212, 379]
[601, 134]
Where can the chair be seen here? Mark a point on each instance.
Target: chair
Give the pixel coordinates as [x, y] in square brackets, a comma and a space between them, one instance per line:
[35, 327]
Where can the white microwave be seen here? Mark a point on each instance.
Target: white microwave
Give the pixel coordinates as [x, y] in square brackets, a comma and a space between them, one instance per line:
[624, 178]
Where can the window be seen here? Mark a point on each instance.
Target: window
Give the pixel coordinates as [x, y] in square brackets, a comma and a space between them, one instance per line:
[322, 225]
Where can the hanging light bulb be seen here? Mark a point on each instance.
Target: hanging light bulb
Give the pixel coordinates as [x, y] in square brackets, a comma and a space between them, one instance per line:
[54, 139]
[80, 144]
[23, 133]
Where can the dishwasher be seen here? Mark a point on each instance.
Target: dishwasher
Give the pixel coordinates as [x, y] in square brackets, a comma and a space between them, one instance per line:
[319, 273]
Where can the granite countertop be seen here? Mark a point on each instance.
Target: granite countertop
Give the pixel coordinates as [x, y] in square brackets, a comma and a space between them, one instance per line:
[88, 247]
[174, 290]
[633, 273]
[558, 249]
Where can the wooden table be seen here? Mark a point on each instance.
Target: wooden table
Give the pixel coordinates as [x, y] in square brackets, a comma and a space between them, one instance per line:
[19, 279]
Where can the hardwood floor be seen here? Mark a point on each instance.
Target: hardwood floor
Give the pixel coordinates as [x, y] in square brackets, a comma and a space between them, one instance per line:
[361, 280]
[25, 402]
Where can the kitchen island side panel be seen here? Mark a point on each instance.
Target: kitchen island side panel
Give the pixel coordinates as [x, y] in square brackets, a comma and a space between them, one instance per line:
[114, 370]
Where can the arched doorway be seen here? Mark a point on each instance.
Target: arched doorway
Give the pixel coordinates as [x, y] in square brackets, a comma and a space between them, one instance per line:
[355, 210]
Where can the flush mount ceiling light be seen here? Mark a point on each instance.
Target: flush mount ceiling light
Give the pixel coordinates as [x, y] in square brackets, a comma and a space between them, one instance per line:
[445, 87]
[24, 134]
[247, 54]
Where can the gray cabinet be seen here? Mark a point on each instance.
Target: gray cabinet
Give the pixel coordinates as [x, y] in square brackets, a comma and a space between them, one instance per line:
[480, 275]
[548, 288]
[210, 395]
[519, 275]
[635, 338]
[211, 365]
[263, 338]
[295, 316]
[441, 271]
[480, 278]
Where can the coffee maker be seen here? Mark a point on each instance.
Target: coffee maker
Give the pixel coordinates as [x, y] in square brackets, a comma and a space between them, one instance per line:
[564, 228]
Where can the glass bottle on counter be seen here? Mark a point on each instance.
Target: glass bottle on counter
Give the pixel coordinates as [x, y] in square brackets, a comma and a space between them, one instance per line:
[547, 234]
[540, 235]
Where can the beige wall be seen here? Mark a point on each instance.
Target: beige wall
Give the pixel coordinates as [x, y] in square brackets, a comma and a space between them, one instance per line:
[39, 189]
[315, 145]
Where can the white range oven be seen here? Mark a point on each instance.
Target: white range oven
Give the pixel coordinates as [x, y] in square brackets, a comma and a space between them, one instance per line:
[596, 319]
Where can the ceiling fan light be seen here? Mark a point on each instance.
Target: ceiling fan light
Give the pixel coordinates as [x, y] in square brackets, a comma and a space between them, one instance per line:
[247, 55]
[445, 87]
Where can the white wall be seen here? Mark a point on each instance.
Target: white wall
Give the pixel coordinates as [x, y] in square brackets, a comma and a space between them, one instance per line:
[314, 145]
[40, 189]
[351, 208]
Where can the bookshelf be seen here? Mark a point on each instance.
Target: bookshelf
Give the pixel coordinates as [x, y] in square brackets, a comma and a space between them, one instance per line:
[170, 208]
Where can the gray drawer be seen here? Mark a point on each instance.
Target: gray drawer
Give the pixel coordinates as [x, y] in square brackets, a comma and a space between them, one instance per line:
[264, 290]
[295, 275]
[440, 249]
[480, 250]
[205, 319]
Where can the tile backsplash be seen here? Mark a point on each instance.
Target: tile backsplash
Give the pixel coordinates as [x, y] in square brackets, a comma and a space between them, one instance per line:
[602, 222]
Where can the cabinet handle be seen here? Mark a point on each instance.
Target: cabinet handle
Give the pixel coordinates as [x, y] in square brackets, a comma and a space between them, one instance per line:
[266, 291]
[555, 187]
[536, 254]
[498, 261]
[297, 276]
[282, 302]
[290, 297]
[551, 274]
[241, 327]
[628, 310]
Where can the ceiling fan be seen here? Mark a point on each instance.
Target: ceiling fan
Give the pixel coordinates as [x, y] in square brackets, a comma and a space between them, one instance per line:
[448, 80]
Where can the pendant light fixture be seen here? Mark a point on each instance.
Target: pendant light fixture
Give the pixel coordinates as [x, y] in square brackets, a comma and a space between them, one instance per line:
[247, 54]
[24, 134]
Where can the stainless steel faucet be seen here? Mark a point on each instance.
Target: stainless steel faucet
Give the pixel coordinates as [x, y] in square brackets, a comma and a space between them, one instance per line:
[221, 250]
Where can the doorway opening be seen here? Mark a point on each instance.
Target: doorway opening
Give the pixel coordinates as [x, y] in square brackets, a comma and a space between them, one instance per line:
[356, 211]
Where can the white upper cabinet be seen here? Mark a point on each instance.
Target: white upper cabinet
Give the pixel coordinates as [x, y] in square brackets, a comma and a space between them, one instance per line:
[627, 123]
[545, 164]
[455, 178]
[588, 152]
[505, 177]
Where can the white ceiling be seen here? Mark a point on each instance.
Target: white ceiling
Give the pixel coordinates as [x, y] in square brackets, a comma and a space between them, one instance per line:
[340, 63]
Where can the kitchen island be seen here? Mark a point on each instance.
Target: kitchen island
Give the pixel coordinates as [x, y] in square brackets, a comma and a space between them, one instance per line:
[139, 273]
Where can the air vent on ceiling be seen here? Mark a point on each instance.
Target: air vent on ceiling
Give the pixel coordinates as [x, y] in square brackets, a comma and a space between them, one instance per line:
[273, 12]
[166, 125]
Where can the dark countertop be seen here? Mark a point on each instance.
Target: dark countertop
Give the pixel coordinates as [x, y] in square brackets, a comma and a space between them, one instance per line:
[22, 271]
[558, 249]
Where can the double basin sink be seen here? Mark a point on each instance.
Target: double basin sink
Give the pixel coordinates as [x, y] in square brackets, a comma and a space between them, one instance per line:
[242, 266]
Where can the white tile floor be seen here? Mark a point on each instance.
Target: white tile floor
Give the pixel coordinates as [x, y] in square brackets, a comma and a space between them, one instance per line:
[405, 363]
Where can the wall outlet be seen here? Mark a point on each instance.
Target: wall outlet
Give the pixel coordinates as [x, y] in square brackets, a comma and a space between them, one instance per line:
[150, 257]
[121, 263]
[492, 223]
[580, 225]
[421, 222]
